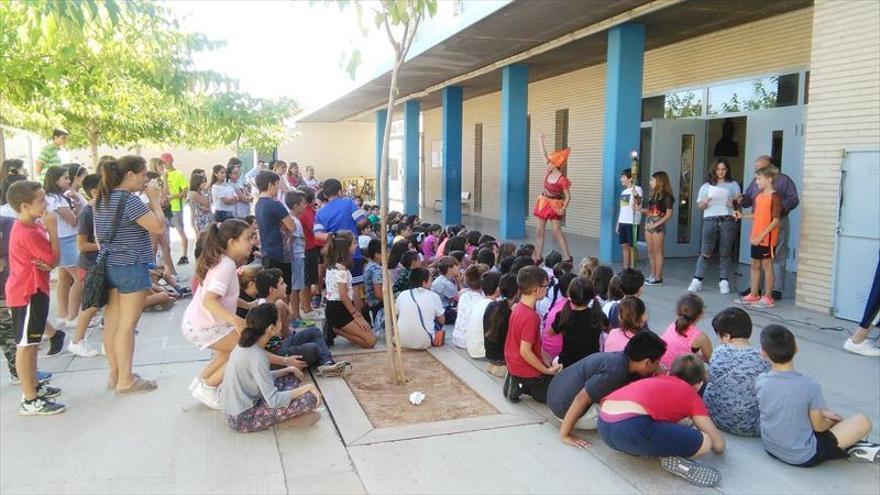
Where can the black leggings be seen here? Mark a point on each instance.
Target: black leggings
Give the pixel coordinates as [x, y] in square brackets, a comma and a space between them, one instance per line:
[872, 306]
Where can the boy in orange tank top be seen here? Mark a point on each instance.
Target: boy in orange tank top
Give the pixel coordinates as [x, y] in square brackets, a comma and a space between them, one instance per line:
[764, 236]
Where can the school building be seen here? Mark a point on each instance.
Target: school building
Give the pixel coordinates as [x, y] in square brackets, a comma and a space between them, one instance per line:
[680, 82]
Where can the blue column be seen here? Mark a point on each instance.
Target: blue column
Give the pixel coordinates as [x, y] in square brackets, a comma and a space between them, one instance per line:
[623, 107]
[381, 115]
[411, 111]
[514, 177]
[451, 155]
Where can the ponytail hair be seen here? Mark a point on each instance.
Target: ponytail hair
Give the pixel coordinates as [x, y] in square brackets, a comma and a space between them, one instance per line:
[339, 248]
[217, 238]
[689, 309]
[217, 168]
[582, 293]
[113, 172]
[258, 320]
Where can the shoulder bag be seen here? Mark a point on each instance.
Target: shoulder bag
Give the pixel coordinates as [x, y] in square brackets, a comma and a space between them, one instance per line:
[95, 291]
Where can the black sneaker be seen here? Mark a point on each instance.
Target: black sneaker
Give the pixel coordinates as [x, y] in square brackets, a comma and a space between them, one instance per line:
[40, 407]
[777, 295]
[329, 334]
[46, 392]
[511, 388]
[56, 343]
[183, 260]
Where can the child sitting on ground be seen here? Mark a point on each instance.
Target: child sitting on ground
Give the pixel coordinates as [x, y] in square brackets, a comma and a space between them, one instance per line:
[247, 294]
[373, 280]
[683, 336]
[467, 299]
[588, 266]
[495, 323]
[409, 261]
[632, 282]
[642, 419]
[430, 243]
[446, 286]
[614, 295]
[601, 279]
[526, 373]
[419, 312]
[271, 288]
[255, 398]
[474, 333]
[551, 342]
[796, 426]
[580, 323]
[633, 318]
[576, 392]
[730, 392]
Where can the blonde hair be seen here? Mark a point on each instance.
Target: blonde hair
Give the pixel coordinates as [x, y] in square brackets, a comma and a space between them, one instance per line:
[589, 264]
[248, 274]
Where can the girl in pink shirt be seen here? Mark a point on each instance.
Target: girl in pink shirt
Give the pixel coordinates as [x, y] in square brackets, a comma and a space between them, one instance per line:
[551, 342]
[210, 321]
[633, 317]
[683, 336]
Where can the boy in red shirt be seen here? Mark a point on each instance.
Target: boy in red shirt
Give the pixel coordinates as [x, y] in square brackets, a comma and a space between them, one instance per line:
[526, 373]
[313, 259]
[33, 252]
[642, 419]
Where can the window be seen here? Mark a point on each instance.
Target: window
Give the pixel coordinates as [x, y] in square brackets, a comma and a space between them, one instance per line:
[776, 148]
[478, 167]
[680, 105]
[561, 140]
[757, 94]
[686, 183]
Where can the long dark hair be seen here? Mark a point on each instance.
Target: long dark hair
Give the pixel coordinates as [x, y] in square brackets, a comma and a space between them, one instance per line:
[397, 251]
[688, 309]
[10, 165]
[74, 170]
[113, 173]
[498, 313]
[50, 183]
[339, 249]
[581, 293]
[711, 178]
[196, 182]
[216, 240]
[214, 171]
[258, 320]
[632, 309]
[663, 186]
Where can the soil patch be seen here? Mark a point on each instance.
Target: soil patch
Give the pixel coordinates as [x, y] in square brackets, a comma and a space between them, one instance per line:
[387, 404]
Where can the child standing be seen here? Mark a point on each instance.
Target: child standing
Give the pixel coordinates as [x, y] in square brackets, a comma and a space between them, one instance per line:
[313, 259]
[765, 234]
[296, 203]
[659, 212]
[467, 299]
[495, 324]
[255, 398]
[796, 426]
[88, 255]
[633, 317]
[68, 289]
[526, 373]
[683, 336]
[630, 214]
[200, 203]
[210, 321]
[730, 394]
[343, 317]
[272, 217]
[33, 252]
[581, 322]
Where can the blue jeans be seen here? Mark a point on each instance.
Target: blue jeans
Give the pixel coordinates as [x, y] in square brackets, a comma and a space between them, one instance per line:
[128, 279]
[308, 343]
[641, 435]
[720, 231]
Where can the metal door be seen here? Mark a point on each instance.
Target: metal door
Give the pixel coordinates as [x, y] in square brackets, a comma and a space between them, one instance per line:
[858, 232]
[678, 147]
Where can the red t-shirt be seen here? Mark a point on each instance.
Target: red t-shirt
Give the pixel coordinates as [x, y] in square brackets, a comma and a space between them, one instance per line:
[666, 398]
[524, 324]
[307, 219]
[27, 243]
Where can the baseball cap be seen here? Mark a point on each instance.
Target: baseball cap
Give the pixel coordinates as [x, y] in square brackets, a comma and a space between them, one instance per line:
[166, 157]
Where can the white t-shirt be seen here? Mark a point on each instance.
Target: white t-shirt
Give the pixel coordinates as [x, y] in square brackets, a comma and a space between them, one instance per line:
[53, 203]
[627, 215]
[718, 197]
[335, 277]
[224, 190]
[409, 302]
[473, 336]
[7, 211]
[466, 302]
[364, 242]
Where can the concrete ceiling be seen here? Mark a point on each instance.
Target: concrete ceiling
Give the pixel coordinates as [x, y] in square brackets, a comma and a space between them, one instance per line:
[525, 24]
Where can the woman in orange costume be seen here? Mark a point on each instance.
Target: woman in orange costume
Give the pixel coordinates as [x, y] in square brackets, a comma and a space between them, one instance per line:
[553, 200]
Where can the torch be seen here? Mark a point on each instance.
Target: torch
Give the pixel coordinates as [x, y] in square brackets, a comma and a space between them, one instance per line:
[634, 167]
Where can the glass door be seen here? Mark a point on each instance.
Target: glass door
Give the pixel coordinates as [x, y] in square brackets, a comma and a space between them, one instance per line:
[678, 147]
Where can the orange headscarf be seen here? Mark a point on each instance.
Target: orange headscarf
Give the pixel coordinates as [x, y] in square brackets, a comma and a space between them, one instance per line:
[559, 158]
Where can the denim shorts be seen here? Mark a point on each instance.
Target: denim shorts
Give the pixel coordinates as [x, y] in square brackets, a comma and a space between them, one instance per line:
[298, 274]
[128, 279]
[641, 435]
[69, 253]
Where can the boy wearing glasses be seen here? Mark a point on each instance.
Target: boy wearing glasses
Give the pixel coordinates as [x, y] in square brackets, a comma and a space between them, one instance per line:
[526, 373]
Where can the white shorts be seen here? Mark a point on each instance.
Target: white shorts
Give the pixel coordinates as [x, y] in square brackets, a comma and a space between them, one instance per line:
[204, 338]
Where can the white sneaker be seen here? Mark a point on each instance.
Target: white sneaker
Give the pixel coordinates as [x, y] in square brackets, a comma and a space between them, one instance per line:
[193, 384]
[209, 396]
[315, 314]
[724, 287]
[696, 285]
[81, 349]
[865, 348]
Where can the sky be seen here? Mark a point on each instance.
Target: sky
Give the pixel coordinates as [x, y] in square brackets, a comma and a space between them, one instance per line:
[287, 48]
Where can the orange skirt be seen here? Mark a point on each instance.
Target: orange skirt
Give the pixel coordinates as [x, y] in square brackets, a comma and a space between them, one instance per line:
[548, 209]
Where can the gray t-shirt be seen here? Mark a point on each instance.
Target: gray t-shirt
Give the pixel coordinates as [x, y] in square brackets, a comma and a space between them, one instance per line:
[247, 379]
[599, 374]
[785, 399]
[446, 289]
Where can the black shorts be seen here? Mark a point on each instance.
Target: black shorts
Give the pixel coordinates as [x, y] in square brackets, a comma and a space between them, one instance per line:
[29, 321]
[313, 259]
[763, 252]
[285, 270]
[337, 314]
[625, 233]
[536, 387]
[826, 449]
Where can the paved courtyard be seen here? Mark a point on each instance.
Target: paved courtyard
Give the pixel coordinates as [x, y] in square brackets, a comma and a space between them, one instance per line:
[166, 442]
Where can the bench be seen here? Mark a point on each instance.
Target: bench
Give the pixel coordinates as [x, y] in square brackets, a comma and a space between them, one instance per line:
[465, 203]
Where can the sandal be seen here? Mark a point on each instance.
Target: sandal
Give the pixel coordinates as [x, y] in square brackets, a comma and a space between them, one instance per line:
[112, 385]
[138, 386]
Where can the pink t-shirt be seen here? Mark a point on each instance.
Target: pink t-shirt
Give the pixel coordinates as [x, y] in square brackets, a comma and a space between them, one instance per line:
[616, 340]
[429, 247]
[221, 280]
[552, 344]
[676, 344]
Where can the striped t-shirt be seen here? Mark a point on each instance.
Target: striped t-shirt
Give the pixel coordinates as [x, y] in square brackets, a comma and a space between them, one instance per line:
[49, 157]
[132, 243]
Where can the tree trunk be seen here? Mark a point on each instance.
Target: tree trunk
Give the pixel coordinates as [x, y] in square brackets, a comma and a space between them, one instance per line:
[94, 136]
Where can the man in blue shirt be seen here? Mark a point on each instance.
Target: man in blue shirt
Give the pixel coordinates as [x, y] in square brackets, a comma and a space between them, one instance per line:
[272, 216]
[340, 213]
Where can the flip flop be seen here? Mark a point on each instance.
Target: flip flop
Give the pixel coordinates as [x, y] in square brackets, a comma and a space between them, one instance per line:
[139, 386]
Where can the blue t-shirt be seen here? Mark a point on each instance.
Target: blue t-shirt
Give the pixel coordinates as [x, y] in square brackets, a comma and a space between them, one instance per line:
[270, 213]
[785, 399]
[339, 214]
